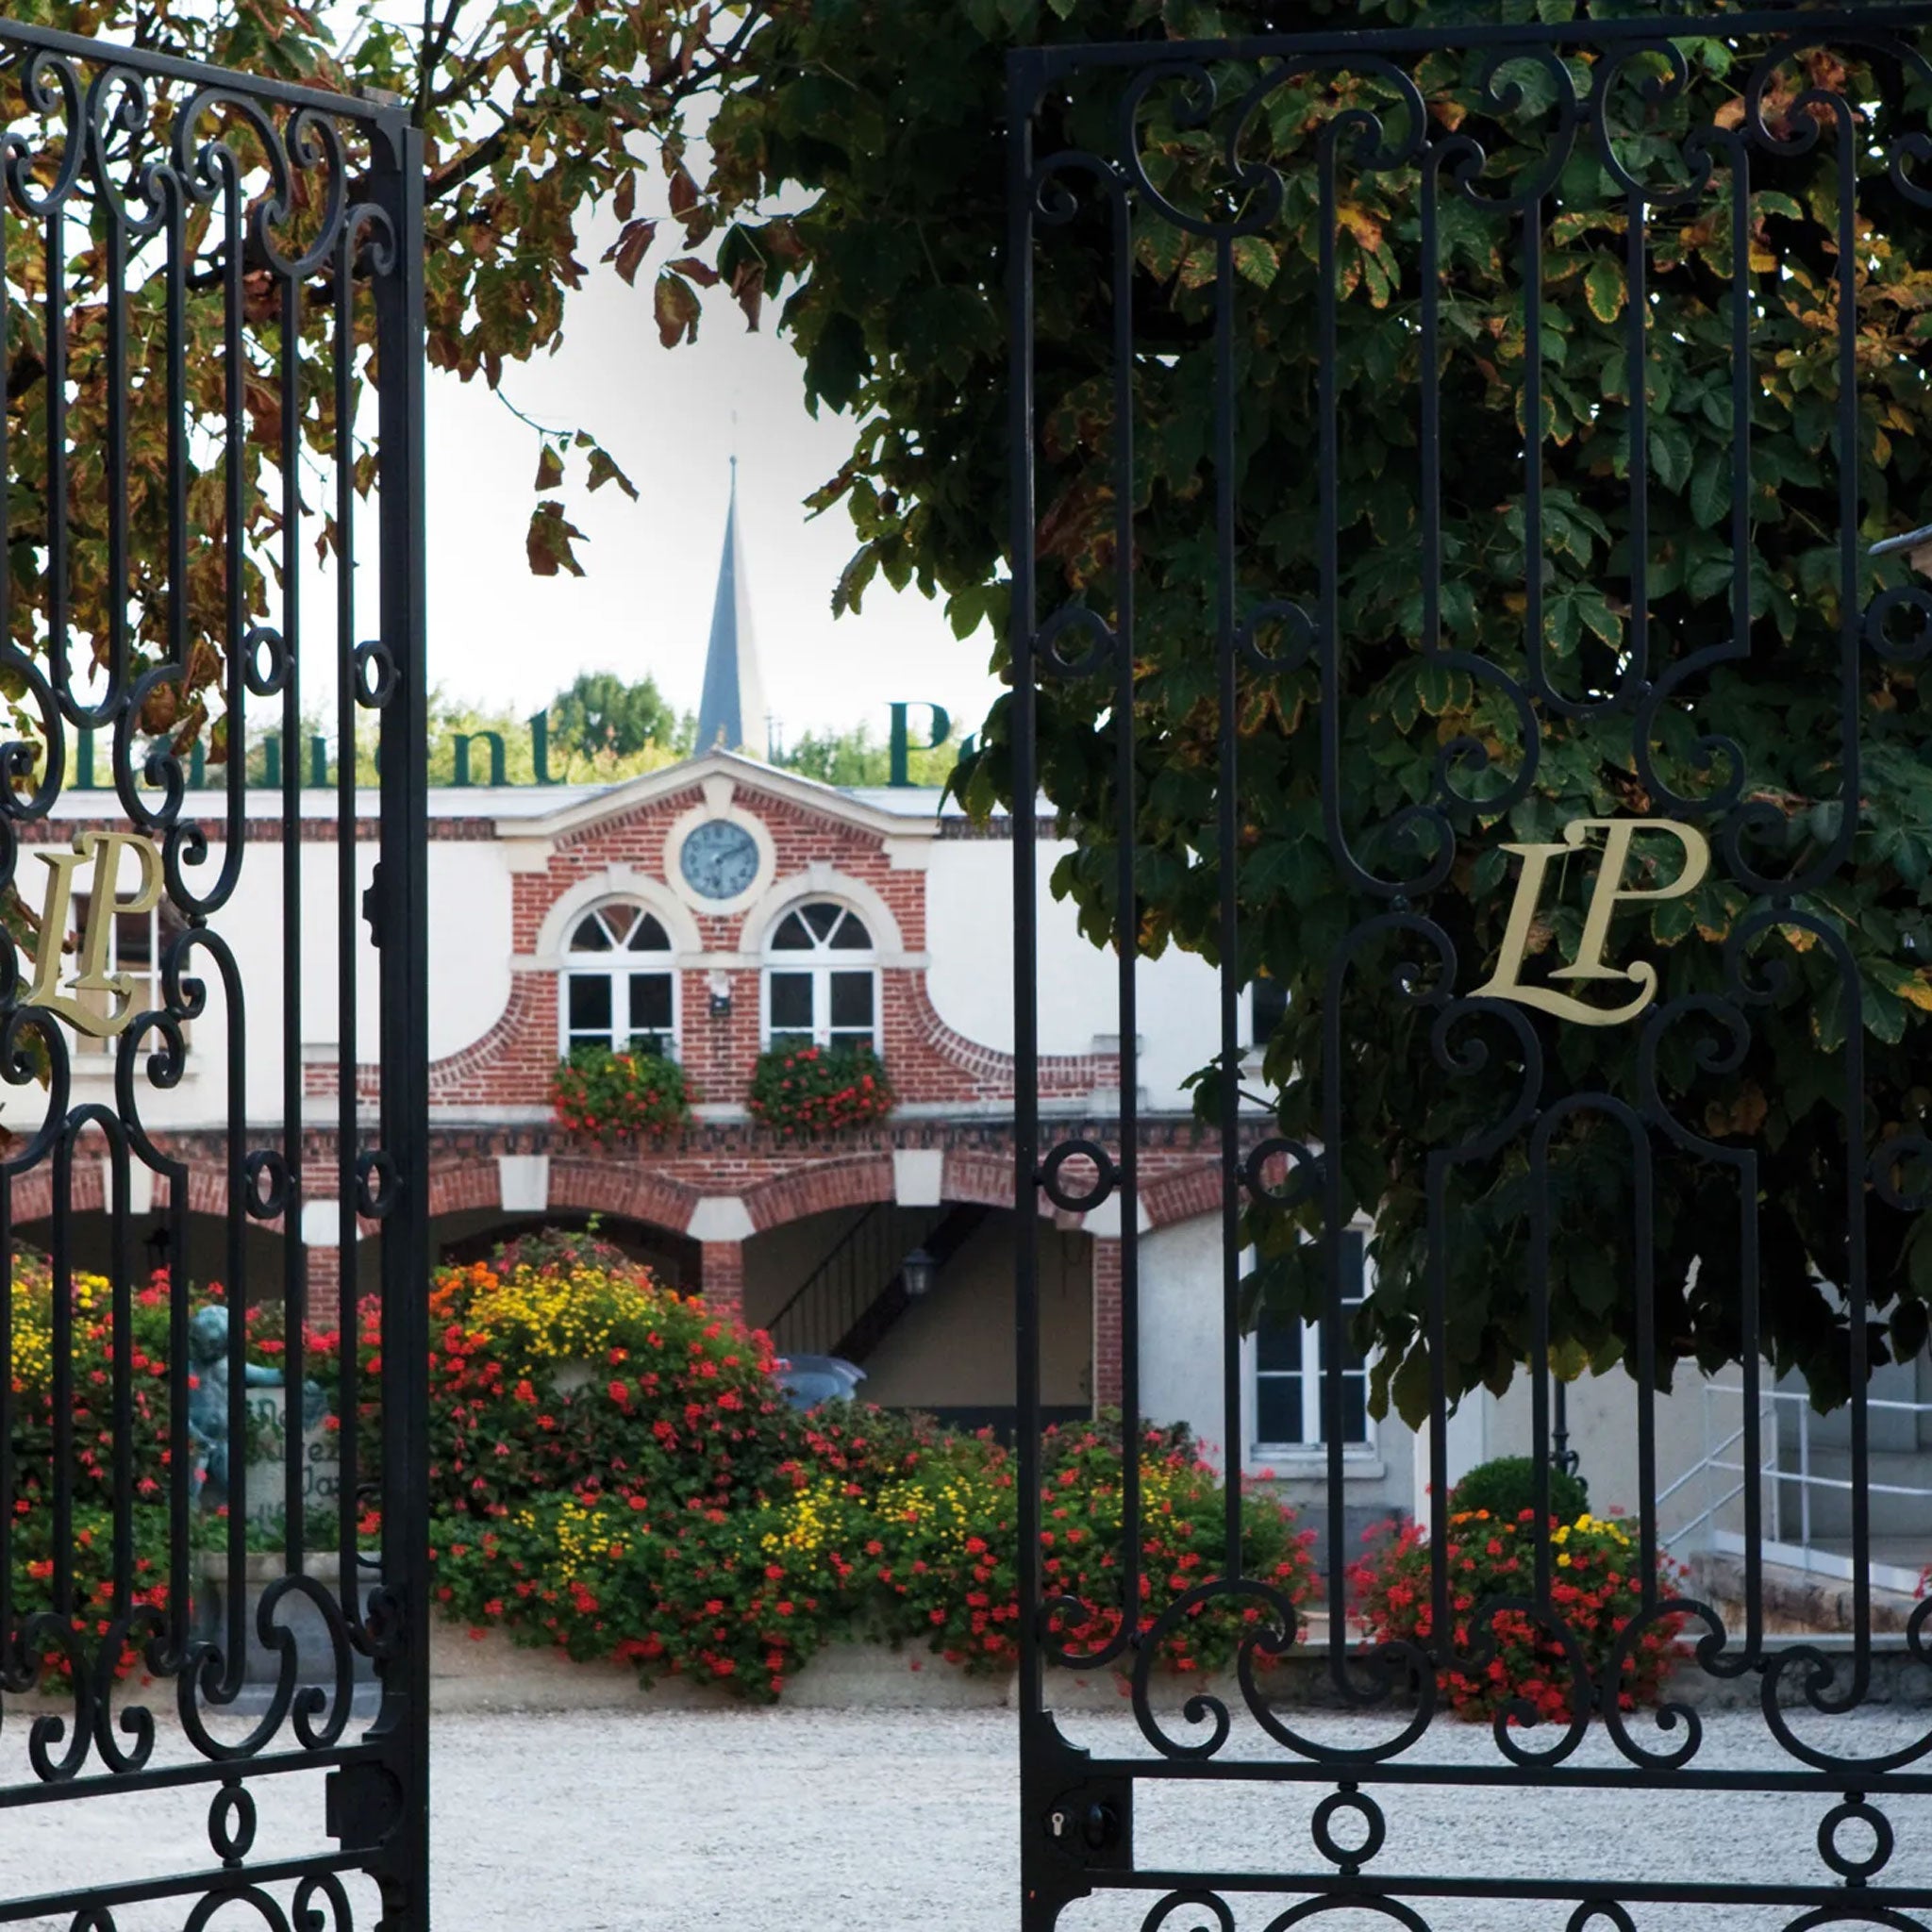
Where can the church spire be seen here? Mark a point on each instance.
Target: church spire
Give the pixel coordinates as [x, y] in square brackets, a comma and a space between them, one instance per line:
[732, 711]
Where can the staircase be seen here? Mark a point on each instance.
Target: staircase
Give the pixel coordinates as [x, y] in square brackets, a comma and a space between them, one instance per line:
[1805, 1480]
[853, 1299]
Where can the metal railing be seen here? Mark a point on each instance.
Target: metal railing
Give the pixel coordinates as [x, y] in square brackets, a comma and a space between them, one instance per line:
[1721, 1479]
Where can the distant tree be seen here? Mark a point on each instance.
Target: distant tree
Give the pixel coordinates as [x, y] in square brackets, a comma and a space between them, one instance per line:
[859, 757]
[603, 716]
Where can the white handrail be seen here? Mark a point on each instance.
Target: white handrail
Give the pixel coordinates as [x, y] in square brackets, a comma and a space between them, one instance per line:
[1721, 1459]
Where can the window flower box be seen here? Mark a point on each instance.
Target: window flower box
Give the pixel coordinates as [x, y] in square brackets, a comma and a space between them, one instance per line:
[802, 1091]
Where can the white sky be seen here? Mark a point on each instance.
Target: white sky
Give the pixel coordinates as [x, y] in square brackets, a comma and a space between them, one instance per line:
[499, 635]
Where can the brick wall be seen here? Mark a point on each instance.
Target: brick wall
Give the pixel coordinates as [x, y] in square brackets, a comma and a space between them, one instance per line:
[927, 1061]
[1106, 1323]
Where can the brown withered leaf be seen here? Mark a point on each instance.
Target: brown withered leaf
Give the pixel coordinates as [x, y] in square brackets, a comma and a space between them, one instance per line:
[677, 309]
[550, 540]
[628, 251]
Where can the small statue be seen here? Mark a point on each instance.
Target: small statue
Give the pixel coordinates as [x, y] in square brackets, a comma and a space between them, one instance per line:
[208, 1399]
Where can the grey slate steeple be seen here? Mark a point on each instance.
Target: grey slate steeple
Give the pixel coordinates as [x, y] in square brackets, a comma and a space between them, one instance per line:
[732, 711]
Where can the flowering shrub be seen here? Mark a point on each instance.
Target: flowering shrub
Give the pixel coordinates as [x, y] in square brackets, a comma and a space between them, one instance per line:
[620, 1096]
[88, 1405]
[803, 1090]
[614, 1472]
[945, 1543]
[575, 1372]
[1596, 1590]
[680, 1517]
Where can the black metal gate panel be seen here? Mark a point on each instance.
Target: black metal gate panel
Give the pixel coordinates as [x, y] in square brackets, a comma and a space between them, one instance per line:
[212, 1000]
[1430, 442]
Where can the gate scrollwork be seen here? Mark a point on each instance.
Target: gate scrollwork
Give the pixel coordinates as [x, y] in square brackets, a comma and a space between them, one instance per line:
[1455, 629]
[199, 272]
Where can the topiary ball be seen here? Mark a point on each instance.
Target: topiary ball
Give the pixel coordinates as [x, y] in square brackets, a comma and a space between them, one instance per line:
[1505, 1487]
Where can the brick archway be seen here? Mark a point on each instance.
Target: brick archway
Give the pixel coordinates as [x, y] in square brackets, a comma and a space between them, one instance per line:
[860, 1181]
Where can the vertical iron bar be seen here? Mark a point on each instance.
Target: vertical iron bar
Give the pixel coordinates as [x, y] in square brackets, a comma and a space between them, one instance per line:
[1228, 838]
[1743, 382]
[1850, 627]
[1334, 1219]
[121, 1289]
[1540, 1352]
[1645, 1284]
[1127, 927]
[1637, 375]
[294, 1246]
[403, 896]
[115, 255]
[234, 480]
[59, 587]
[63, 1473]
[348, 861]
[1533, 456]
[1038, 1913]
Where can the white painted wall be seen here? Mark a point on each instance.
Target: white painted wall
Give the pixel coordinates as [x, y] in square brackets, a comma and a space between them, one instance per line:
[470, 908]
[969, 926]
[1603, 1431]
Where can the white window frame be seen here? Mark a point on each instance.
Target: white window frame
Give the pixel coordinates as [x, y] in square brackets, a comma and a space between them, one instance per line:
[820, 963]
[1310, 1456]
[146, 996]
[617, 966]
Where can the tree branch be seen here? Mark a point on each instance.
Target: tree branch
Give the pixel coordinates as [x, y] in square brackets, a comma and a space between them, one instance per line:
[436, 45]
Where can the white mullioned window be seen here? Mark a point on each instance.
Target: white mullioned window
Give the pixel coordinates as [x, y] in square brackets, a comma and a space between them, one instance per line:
[822, 981]
[619, 987]
[1284, 1376]
[135, 942]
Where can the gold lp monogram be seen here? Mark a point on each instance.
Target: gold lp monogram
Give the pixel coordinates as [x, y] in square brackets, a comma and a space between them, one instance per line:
[97, 1002]
[1608, 892]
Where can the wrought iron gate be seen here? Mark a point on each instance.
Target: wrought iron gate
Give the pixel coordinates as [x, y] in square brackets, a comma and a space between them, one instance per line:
[214, 1593]
[1429, 443]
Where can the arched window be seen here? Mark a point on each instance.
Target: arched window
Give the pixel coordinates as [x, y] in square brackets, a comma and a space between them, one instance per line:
[619, 988]
[821, 987]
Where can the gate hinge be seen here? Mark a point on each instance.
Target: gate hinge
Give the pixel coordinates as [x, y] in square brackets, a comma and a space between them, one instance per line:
[361, 1805]
[1091, 1824]
[372, 906]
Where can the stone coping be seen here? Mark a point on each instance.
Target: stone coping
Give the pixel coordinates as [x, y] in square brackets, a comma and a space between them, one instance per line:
[483, 1671]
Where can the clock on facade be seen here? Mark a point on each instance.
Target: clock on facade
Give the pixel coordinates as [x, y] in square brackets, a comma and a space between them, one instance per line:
[718, 860]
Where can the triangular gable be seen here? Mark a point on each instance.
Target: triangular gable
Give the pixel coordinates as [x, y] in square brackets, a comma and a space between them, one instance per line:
[717, 770]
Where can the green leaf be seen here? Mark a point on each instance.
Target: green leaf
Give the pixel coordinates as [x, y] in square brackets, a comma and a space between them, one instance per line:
[1256, 261]
[1594, 608]
[1605, 289]
[1710, 488]
[1670, 454]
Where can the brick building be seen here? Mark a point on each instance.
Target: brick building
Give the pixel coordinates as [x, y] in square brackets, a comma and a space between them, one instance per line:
[713, 907]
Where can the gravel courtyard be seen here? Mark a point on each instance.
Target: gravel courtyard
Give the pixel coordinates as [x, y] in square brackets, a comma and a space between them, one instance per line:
[796, 1821]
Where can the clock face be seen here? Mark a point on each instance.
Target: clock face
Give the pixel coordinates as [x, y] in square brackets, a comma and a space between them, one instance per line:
[718, 860]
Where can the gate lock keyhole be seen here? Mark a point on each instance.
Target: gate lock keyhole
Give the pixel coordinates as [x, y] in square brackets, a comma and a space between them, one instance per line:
[1096, 1827]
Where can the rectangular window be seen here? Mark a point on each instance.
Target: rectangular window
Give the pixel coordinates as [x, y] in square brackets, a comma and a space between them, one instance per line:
[792, 1009]
[852, 1010]
[1286, 1399]
[650, 1011]
[589, 1010]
